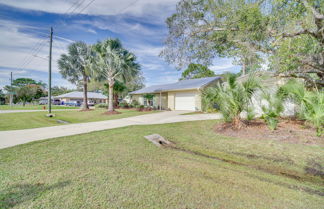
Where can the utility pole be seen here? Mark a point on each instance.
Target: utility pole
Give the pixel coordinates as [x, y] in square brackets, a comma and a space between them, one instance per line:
[50, 74]
[11, 93]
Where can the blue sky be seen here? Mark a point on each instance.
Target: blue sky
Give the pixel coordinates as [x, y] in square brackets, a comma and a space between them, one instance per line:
[139, 24]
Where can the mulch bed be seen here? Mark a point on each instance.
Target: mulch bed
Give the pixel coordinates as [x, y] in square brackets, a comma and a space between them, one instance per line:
[111, 113]
[288, 130]
[144, 109]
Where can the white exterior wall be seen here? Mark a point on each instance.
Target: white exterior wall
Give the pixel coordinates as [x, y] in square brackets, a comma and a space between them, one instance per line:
[258, 102]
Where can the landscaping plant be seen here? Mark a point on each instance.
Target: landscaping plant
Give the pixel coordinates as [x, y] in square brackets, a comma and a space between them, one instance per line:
[75, 66]
[234, 97]
[310, 103]
[250, 114]
[113, 63]
[272, 110]
[208, 99]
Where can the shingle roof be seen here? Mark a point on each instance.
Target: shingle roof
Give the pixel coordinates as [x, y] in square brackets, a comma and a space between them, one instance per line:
[180, 85]
[78, 94]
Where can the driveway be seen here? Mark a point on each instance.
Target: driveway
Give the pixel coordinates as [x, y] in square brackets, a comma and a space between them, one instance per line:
[15, 137]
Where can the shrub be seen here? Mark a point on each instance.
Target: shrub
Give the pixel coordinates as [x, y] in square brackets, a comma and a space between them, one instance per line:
[209, 100]
[101, 105]
[234, 97]
[123, 105]
[250, 114]
[272, 110]
[140, 107]
[310, 103]
[134, 103]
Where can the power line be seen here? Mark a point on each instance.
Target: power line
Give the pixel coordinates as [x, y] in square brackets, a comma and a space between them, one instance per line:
[79, 5]
[62, 38]
[86, 6]
[34, 51]
[60, 46]
[75, 3]
[38, 46]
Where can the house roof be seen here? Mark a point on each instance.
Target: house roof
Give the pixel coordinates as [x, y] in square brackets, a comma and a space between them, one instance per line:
[79, 94]
[180, 85]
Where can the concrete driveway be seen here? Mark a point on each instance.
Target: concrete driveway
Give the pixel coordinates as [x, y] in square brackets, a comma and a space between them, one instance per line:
[15, 137]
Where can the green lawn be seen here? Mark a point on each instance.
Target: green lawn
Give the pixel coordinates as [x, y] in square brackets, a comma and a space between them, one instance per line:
[24, 120]
[118, 168]
[33, 107]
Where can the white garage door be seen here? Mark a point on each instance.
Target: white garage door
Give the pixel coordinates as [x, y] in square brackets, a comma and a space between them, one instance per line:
[185, 101]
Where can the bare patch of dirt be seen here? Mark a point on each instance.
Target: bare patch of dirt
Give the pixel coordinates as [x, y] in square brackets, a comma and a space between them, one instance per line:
[288, 130]
[111, 113]
[314, 168]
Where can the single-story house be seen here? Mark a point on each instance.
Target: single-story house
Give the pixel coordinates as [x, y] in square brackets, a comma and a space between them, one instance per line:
[182, 95]
[44, 100]
[77, 96]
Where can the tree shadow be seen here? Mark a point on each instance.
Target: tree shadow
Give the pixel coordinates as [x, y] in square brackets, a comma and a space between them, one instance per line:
[19, 193]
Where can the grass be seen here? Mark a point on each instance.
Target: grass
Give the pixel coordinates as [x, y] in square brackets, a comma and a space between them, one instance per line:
[25, 120]
[33, 107]
[118, 168]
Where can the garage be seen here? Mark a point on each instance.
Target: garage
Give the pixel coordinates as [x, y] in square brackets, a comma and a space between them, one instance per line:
[185, 101]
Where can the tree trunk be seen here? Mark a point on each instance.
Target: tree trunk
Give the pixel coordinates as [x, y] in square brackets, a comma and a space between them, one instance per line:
[115, 100]
[111, 96]
[85, 93]
[243, 68]
[237, 123]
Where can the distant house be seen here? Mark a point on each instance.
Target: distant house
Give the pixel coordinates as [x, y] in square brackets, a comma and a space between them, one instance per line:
[182, 95]
[44, 100]
[77, 96]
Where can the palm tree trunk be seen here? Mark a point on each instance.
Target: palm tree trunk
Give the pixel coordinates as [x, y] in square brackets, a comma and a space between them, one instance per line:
[243, 68]
[111, 96]
[115, 100]
[237, 123]
[85, 93]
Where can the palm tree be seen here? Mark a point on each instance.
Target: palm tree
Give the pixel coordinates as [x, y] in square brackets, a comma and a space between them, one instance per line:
[119, 89]
[114, 63]
[310, 104]
[234, 97]
[76, 66]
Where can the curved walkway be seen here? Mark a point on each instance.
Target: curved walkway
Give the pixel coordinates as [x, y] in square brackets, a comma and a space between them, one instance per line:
[15, 137]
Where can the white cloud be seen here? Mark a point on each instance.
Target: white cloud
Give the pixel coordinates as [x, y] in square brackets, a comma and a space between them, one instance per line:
[26, 51]
[98, 7]
[221, 67]
[91, 31]
[163, 80]
[7, 72]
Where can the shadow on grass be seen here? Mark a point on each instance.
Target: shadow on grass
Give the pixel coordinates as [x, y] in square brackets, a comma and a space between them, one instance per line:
[19, 193]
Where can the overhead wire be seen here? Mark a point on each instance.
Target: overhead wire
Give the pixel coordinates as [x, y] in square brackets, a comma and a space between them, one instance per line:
[40, 44]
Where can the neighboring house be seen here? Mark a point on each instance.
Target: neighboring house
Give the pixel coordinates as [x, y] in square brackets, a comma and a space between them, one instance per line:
[77, 96]
[44, 100]
[182, 95]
